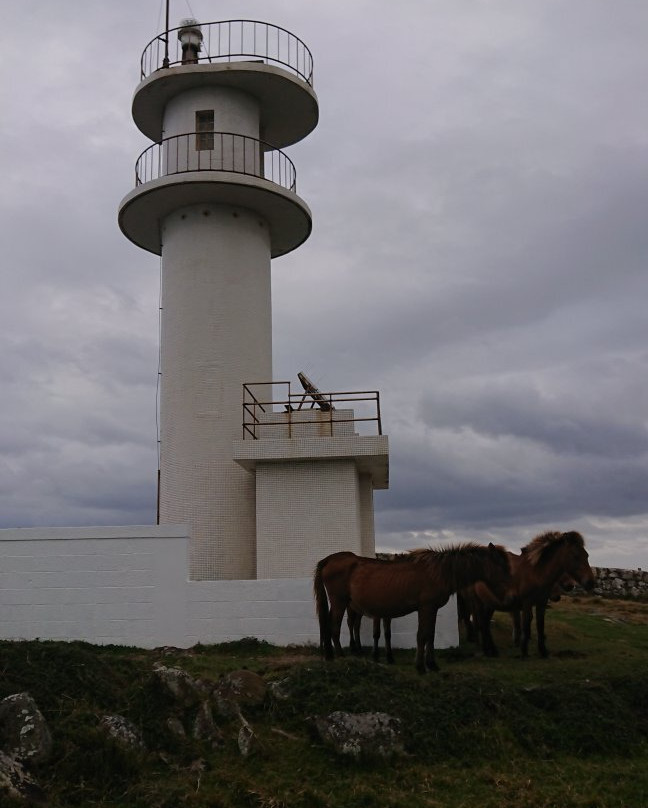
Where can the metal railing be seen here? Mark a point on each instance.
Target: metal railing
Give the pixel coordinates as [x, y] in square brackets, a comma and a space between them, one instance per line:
[258, 409]
[233, 40]
[215, 151]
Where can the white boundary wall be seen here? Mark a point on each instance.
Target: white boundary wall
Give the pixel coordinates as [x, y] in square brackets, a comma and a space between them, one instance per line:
[129, 586]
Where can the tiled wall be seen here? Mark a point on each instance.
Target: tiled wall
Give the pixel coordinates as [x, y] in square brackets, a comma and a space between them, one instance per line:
[216, 335]
[128, 586]
[305, 510]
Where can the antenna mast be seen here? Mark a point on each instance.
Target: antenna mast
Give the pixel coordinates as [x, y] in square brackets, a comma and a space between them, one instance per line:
[165, 61]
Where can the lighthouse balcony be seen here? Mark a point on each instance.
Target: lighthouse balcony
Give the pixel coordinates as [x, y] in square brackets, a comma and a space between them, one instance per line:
[264, 61]
[229, 41]
[216, 151]
[209, 167]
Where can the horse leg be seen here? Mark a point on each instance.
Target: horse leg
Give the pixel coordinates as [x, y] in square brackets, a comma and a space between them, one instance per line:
[517, 626]
[472, 634]
[351, 625]
[356, 634]
[354, 619]
[388, 648]
[484, 615]
[376, 639]
[430, 662]
[527, 617]
[420, 641]
[425, 640]
[337, 616]
[465, 616]
[540, 625]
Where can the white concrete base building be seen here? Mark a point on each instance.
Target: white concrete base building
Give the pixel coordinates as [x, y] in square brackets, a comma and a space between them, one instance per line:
[129, 586]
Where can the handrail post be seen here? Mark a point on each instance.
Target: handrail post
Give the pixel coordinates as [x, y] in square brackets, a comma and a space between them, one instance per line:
[165, 61]
[289, 412]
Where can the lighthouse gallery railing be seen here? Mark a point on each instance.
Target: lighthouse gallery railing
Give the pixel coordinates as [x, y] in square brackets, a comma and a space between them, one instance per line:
[234, 40]
[259, 403]
[225, 151]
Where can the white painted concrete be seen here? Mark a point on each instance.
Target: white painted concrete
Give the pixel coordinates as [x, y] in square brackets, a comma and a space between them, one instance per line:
[236, 111]
[305, 511]
[216, 334]
[314, 488]
[128, 586]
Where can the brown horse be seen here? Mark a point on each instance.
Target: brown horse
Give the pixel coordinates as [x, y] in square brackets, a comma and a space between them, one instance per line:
[466, 618]
[565, 584]
[422, 582]
[535, 572]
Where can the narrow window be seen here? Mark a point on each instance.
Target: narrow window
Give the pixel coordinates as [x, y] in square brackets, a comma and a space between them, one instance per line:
[205, 130]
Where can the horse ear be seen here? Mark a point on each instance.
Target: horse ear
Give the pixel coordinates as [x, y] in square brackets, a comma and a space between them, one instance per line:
[491, 546]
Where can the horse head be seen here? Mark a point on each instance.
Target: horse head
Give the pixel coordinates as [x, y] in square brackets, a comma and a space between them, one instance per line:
[577, 560]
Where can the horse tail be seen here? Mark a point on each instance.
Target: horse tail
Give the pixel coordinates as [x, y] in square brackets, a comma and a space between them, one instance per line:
[323, 611]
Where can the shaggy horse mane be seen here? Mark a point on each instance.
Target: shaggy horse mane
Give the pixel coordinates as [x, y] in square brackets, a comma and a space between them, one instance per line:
[542, 547]
[459, 562]
[456, 563]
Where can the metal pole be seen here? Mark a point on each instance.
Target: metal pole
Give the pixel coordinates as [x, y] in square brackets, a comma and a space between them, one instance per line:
[165, 62]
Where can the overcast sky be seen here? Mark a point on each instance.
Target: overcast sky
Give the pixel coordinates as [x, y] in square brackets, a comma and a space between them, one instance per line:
[479, 188]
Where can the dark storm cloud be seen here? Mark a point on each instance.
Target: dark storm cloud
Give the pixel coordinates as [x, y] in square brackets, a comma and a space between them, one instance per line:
[566, 425]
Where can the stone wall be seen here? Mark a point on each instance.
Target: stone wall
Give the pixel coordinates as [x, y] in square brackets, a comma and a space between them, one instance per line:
[616, 583]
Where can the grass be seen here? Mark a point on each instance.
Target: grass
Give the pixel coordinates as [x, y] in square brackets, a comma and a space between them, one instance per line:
[570, 731]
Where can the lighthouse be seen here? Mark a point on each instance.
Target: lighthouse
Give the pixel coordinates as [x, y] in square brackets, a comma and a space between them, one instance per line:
[266, 487]
[216, 197]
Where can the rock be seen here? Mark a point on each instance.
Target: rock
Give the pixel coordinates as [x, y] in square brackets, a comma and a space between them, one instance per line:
[246, 740]
[24, 734]
[225, 706]
[279, 689]
[361, 734]
[175, 726]
[186, 690]
[239, 688]
[245, 687]
[123, 731]
[16, 782]
[204, 728]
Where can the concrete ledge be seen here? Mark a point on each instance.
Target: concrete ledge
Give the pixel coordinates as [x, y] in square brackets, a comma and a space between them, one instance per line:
[288, 105]
[370, 453]
[108, 532]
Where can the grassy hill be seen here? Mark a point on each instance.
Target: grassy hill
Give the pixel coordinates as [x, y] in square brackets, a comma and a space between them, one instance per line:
[570, 731]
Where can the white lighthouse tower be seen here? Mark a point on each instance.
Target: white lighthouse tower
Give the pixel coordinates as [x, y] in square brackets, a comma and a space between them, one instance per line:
[216, 197]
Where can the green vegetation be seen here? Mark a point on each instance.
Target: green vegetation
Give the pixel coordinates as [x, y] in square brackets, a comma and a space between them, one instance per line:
[570, 731]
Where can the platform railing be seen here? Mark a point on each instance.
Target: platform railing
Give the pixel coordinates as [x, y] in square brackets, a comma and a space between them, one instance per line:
[216, 151]
[230, 41]
[258, 407]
